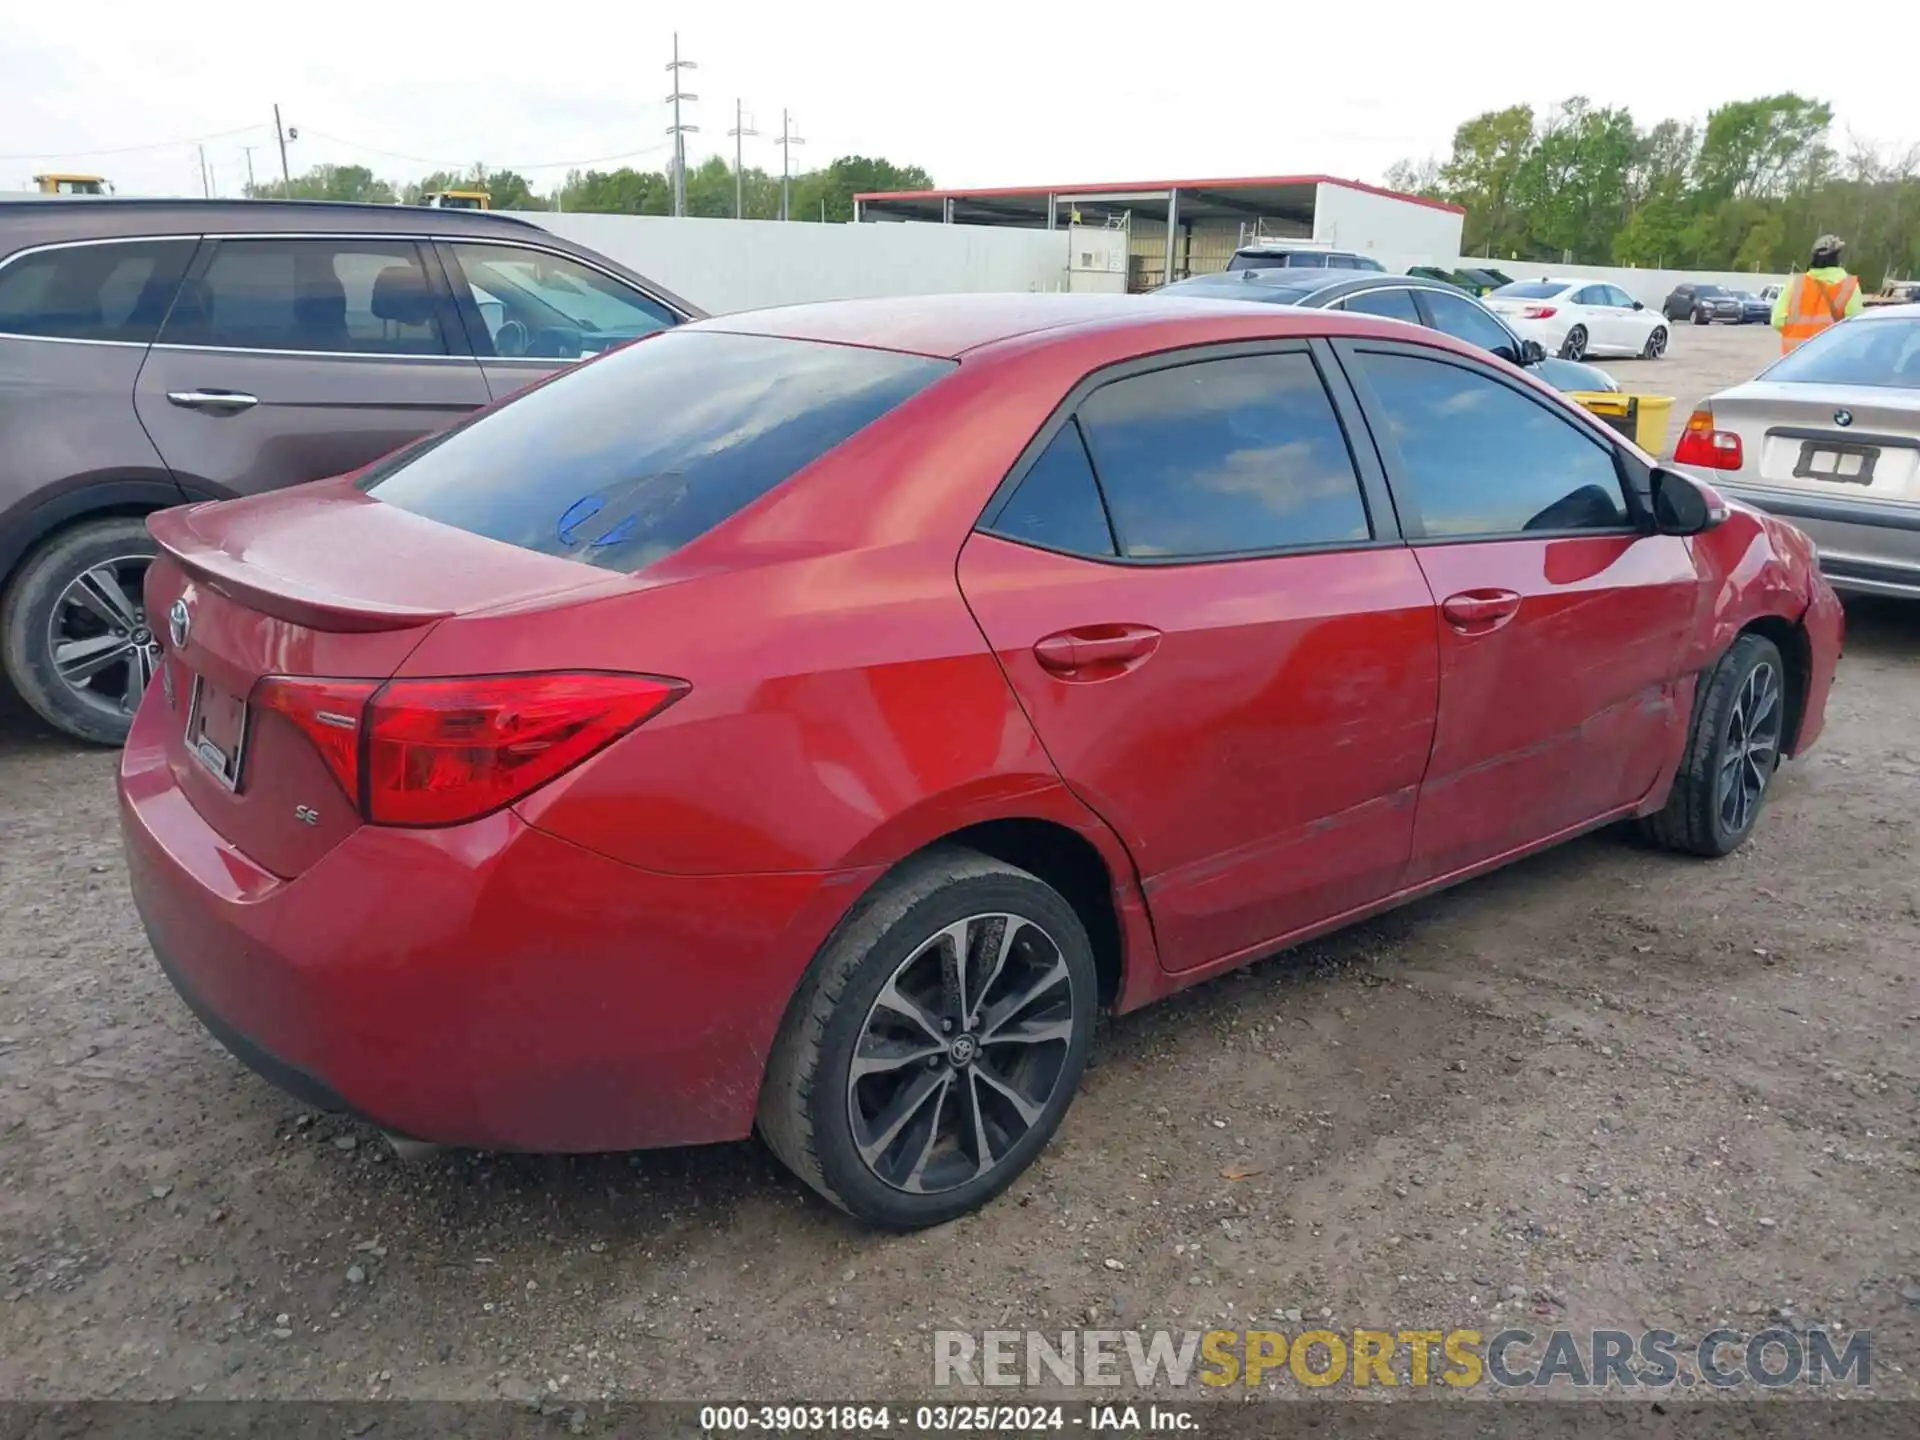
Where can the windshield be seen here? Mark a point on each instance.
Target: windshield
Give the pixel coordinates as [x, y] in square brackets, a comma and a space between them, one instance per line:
[1860, 352]
[1531, 289]
[625, 460]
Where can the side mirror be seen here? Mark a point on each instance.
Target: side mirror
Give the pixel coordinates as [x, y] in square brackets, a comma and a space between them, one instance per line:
[1682, 505]
[1532, 352]
[1638, 306]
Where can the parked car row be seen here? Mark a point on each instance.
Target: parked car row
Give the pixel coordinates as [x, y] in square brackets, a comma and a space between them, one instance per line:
[154, 352]
[1576, 318]
[1705, 304]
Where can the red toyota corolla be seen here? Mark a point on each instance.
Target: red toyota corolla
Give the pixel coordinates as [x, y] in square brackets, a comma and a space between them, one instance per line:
[806, 720]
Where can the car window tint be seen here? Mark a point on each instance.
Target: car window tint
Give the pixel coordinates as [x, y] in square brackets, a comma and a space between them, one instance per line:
[1860, 352]
[1058, 505]
[368, 297]
[1619, 297]
[1529, 290]
[537, 305]
[1392, 302]
[93, 292]
[1242, 454]
[628, 458]
[1482, 459]
[1589, 295]
[1342, 262]
[1459, 317]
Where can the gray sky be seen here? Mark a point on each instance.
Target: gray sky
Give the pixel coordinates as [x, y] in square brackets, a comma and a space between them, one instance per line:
[984, 92]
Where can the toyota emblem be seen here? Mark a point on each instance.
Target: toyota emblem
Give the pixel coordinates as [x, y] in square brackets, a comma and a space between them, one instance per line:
[1843, 418]
[179, 624]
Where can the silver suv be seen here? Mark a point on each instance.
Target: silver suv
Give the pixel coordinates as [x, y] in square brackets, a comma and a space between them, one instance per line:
[158, 352]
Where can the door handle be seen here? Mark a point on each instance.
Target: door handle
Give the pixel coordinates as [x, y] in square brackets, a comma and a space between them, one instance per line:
[1480, 610]
[1094, 652]
[212, 399]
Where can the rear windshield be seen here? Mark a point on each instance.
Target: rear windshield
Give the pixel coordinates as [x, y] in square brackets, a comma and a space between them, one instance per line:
[1860, 352]
[1277, 260]
[1280, 291]
[1531, 289]
[630, 457]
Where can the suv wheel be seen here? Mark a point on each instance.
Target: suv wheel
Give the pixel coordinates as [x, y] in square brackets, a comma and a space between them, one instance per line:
[74, 637]
[935, 1044]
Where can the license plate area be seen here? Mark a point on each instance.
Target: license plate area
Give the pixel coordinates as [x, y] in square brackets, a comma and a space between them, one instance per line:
[217, 731]
[1836, 463]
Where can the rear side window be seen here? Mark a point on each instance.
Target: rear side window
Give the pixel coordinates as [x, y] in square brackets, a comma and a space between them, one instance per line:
[1393, 303]
[93, 292]
[1459, 317]
[1058, 505]
[1224, 456]
[627, 459]
[368, 297]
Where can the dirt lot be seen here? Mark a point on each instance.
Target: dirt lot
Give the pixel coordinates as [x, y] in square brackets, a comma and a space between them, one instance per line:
[1700, 359]
[1605, 1088]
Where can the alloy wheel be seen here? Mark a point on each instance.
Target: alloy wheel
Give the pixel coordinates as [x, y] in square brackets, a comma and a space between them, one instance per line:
[1751, 751]
[98, 637]
[1657, 343]
[961, 1053]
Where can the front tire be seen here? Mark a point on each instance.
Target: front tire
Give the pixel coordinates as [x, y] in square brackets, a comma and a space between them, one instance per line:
[74, 637]
[1701, 317]
[1732, 754]
[935, 1044]
[1574, 347]
[1656, 345]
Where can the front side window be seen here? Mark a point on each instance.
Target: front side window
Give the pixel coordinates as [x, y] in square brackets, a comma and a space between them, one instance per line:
[1482, 459]
[93, 292]
[1618, 297]
[1224, 456]
[539, 306]
[345, 296]
[1459, 317]
[627, 459]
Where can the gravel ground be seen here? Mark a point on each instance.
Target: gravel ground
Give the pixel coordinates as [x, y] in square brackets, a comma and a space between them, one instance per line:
[1606, 1087]
[1700, 359]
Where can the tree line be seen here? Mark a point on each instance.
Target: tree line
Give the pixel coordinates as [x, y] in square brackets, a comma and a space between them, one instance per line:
[1751, 188]
[822, 194]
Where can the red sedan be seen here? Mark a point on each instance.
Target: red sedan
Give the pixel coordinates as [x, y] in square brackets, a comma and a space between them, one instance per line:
[806, 720]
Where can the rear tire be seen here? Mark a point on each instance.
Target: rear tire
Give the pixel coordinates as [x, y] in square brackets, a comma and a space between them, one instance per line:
[1732, 754]
[81, 592]
[1574, 347]
[1656, 345]
[860, 1138]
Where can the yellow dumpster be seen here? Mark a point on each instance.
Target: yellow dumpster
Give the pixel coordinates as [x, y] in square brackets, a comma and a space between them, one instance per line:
[1643, 419]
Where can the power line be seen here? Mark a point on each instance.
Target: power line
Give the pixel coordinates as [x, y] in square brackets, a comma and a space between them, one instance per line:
[443, 163]
[132, 149]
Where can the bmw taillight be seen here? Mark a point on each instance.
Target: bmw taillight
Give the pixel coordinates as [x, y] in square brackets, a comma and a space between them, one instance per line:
[1539, 312]
[444, 751]
[1710, 449]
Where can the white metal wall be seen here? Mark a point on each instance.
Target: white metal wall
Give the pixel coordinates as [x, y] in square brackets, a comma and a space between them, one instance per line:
[724, 265]
[1379, 225]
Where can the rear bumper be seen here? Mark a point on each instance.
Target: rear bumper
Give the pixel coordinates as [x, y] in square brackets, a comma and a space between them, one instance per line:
[487, 985]
[1868, 546]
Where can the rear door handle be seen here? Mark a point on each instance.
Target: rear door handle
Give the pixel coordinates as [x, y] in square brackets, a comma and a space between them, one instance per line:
[1093, 652]
[1480, 610]
[212, 399]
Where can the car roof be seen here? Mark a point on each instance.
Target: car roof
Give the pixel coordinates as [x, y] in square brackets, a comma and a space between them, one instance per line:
[949, 326]
[41, 222]
[1289, 247]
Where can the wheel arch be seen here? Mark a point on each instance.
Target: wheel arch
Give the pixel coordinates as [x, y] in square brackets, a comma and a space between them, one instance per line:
[100, 498]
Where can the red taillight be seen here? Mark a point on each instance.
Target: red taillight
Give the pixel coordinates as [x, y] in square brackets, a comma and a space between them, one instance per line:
[1710, 449]
[439, 752]
[1540, 312]
[328, 713]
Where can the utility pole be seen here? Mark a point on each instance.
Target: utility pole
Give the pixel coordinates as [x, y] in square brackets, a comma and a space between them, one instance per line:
[677, 130]
[249, 149]
[787, 141]
[280, 134]
[206, 178]
[739, 168]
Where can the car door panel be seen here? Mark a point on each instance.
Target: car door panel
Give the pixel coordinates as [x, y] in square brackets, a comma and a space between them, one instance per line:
[1561, 625]
[1262, 763]
[235, 404]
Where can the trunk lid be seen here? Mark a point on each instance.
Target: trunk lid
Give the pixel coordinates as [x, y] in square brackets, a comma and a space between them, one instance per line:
[1786, 428]
[318, 581]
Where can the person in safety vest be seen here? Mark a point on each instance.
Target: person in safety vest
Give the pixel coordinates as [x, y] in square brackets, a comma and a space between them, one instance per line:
[1825, 295]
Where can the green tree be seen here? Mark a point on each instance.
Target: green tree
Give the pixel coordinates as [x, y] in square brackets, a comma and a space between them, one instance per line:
[328, 182]
[833, 188]
[1763, 147]
[1416, 177]
[1573, 184]
[625, 191]
[1488, 153]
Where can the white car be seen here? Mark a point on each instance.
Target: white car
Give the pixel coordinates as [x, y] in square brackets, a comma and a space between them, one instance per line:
[1577, 318]
[1828, 436]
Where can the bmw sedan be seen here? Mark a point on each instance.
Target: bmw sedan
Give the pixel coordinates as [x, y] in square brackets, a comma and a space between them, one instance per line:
[806, 721]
